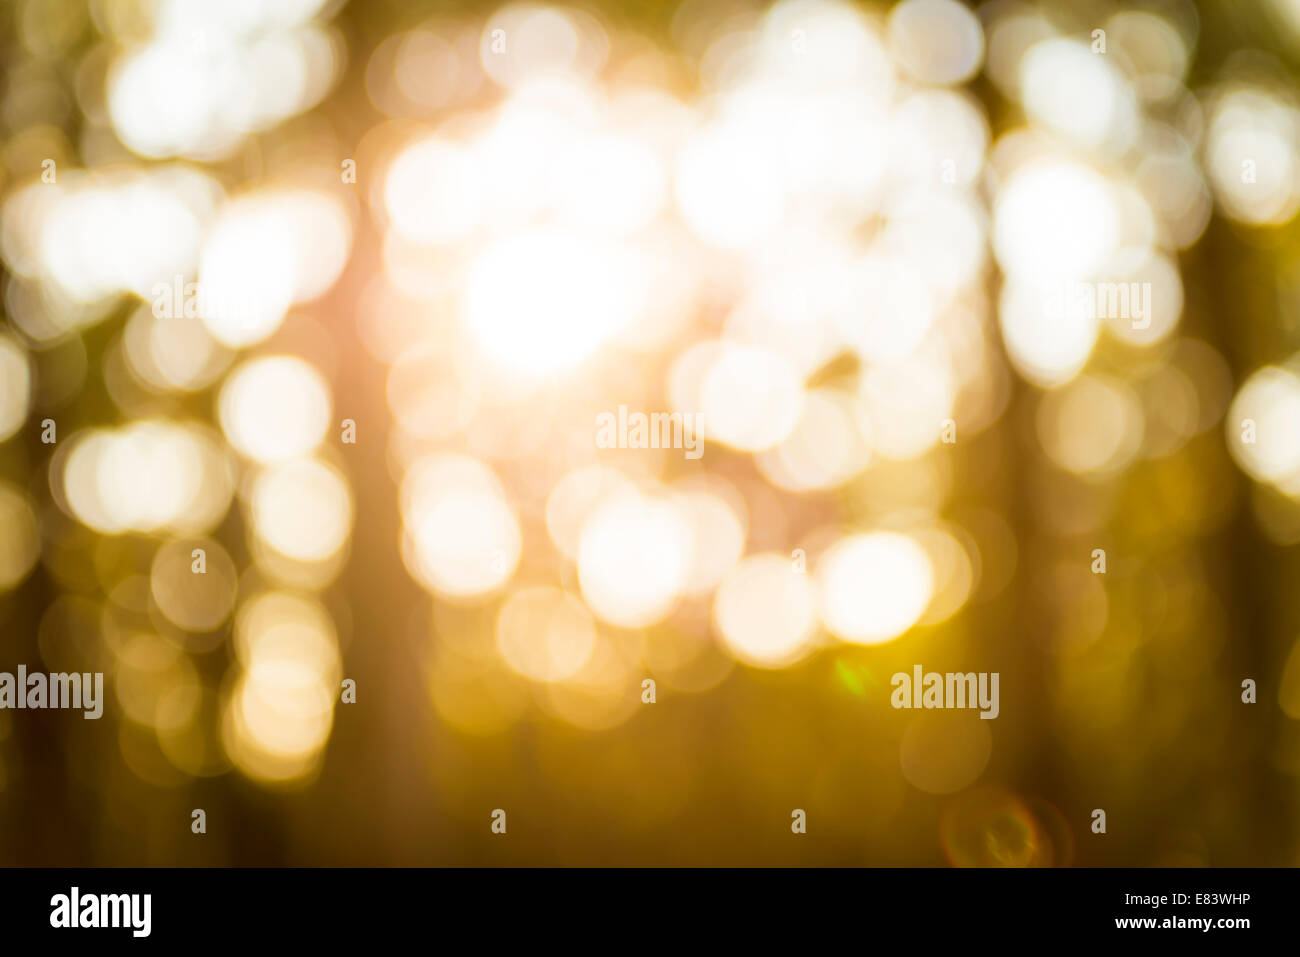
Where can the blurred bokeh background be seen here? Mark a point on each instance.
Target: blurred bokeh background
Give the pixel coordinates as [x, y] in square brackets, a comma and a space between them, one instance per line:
[335, 294]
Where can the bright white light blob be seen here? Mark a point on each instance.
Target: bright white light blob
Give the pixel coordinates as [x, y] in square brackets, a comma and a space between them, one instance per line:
[205, 79]
[1263, 425]
[1055, 219]
[525, 42]
[717, 532]
[146, 477]
[750, 398]
[907, 403]
[574, 497]
[1253, 156]
[275, 408]
[730, 186]
[633, 559]
[461, 538]
[1071, 90]
[543, 301]
[873, 587]
[431, 192]
[936, 41]
[888, 308]
[281, 706]
[302, 509]
[266, 252]
[829, 446]
[1049, 333]
[766, 611]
